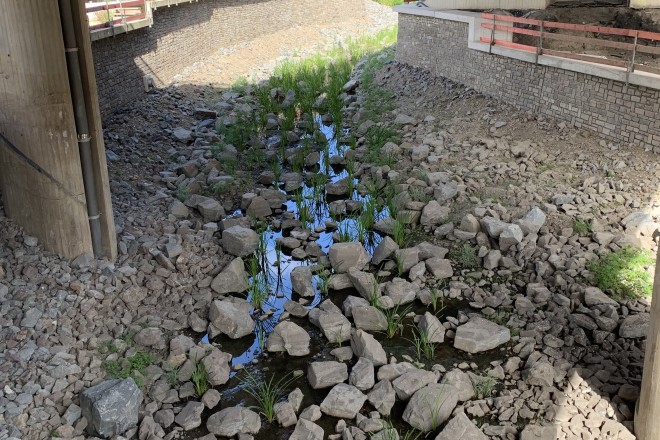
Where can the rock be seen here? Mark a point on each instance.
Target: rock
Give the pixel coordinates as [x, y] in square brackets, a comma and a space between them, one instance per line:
[216, 364]
[384, 250]
[232, 421]
[190, 416]
[409, 382]
[405, 259]
[445, 192]
[232, 279]
[211, 209]
[339, 188]
[510, 236]
[326, 374]
[434, 214]
[493, 227]
[149, 337]
[182, 135]
[231, 317]
[593, 296]
[461, 382]
[492, 260]
[440, 268]
[383, 397]
[401, 291]
[179, 210]
[311, 413]
[343, 401]
[307, 430]
[362, 375]
[540, 374]
[239, 241]
[479, 335]
[640, 223]
[31, 317]
[460, 427]
[369, 318]
[635, 326]
[335, 326]
[426, 250]
[365, 345]
[538, 432]
[402, 119]
[258, 208]
[392, 371]
[111, 407]
[431, 326]
[344, 256]
[289, 337]
[339, 281]
[285, 414]
[430, 406]
[301, 281]
[364, 283]
[211, 398]
[532, 222]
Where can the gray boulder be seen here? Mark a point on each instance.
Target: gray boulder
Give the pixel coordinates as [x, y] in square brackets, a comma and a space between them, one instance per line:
[111, 407]
[365, 345]
[307, 430]
[430, 406]
[239, 241]
[232, 421]
[635, 326]
[430, 325]
[343, 401]
[326, 374]
[233, 278]
[344, 256]
[301, 281]
[383, 397]
[231, 317]
[289, 337]
[479, 335]
[460, 427]
[369, 318]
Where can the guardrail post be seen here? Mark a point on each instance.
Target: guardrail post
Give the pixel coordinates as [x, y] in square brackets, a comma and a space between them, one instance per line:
[492, 37]
[539, 49]
[631, 65]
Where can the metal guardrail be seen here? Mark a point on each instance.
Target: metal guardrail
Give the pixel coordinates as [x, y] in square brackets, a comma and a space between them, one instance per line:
[545, 31]
[108, 14]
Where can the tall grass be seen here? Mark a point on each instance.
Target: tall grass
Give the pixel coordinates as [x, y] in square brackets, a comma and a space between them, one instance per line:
[267, 392]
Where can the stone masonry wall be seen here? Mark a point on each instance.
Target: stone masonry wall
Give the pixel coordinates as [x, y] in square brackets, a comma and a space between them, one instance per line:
[620, 113]
[185, 33]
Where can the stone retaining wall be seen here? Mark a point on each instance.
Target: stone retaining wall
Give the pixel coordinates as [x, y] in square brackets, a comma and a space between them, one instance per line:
[619, 112]
[188, 32]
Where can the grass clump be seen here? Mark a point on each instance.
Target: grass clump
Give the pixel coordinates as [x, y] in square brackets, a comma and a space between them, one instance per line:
[465, 256]
[390, 3]
[582, 227]
[266, 392]
[485, 387]
[395, 318]
[199, 378]
[423, 344]
[132, 366]
[623, 274]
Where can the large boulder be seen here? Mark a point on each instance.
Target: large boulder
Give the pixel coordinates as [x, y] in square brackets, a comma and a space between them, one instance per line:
[301, 281]
[216, 365]
[430, 406]
[307, 430]
[369, 318]
[364, 283]
[111, 407]
[232, 279]
[343, 401]
[383, 397]
[344, 256]
[326, 374]
[289, 337]
[479, 335]
[365, 345]
[231, 317]
[233, 421]
[239, 241]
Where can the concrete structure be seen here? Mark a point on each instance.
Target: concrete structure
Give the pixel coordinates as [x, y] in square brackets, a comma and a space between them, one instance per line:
[40, 163]
[621, 107]
[186, 32]
[643, 4]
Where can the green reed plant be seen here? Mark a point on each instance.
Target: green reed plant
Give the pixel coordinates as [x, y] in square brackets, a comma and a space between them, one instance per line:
[267, 392]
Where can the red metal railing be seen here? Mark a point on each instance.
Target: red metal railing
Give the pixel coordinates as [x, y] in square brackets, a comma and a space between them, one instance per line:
[545, 31]
[113, 13]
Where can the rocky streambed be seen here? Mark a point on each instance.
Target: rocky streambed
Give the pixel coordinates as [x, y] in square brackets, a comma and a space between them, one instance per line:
[414, 265]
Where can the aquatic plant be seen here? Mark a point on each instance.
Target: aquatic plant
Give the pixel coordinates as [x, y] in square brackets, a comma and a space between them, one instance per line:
[266, 392]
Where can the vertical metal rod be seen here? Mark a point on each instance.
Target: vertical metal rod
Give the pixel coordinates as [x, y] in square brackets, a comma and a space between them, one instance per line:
[82, 124]
[492, 37]
[631, 63]
[539, 50]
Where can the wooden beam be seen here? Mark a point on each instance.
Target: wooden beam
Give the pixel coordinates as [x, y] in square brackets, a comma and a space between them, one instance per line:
[109, 237]
[37, 117]
[647, 412]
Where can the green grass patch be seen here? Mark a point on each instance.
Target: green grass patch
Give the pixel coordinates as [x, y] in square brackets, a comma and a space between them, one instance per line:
[582, 227]
[390, 2]
[132, 366]
[623, 274]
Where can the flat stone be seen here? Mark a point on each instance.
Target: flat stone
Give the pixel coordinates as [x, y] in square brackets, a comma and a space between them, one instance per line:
[440, 268]
[479, 335]
[190, 416]
[384, 250]
[307, 430]
[365, 345]
[383, 397]
[409, 382]
[289, 337]
[343, 401]
[593, 296]
[326, 374]
[635, 326]
[369, 318]
[344, 256]
[239, 241]
[232, 421]
[364, 283]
